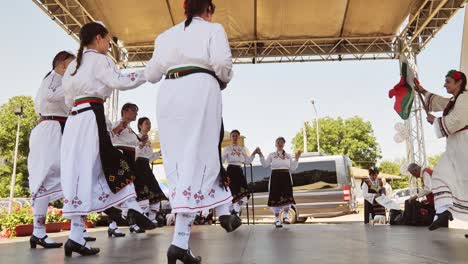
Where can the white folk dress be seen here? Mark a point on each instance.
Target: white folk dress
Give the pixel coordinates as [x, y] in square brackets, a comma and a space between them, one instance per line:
[450, 176]
[83, 180]
[45, 140]
[281, 183]
[236, 157]
[189, 112]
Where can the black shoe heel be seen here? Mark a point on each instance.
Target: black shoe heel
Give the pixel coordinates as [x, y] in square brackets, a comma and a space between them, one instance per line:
[34, 241]
[72, 246]
[185, 255]
[111, 232]
[230, 222]
[136, 218]
[442, 218]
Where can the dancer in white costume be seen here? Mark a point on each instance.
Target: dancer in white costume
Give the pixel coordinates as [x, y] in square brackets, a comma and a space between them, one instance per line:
[282, 164]
[450, 176]
[44, 148]
[196, 59]
[94, 174]
[236, 156]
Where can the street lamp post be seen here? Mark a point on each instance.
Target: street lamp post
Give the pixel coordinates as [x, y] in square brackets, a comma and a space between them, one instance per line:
[312, 101]
[18, 112]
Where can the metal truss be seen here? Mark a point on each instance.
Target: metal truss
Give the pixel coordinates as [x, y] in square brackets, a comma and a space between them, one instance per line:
[424, 23]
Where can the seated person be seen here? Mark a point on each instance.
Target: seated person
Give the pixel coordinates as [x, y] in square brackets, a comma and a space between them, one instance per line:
[416, 212]
[372, 188]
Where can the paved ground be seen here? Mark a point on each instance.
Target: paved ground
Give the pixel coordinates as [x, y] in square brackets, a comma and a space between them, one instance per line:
[263, 244]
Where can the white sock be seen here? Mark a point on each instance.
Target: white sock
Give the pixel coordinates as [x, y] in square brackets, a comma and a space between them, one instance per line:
[442, 208]
[276, 212]
[40, 212]
[135, 227]
[77, 228]
[85, 233]
[286, 213]
[183, 224]
[113, 225]
[236, 207]
[222, 210]
[133, 204]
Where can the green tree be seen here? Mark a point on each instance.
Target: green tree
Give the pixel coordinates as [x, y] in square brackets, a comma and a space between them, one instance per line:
[8, 126]
[433, 160]
[393, 167]
[353, 137]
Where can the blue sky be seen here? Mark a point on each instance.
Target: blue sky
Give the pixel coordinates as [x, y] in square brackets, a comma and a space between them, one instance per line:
[263, 101]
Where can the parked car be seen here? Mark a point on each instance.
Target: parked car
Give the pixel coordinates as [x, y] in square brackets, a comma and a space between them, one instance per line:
[323, 187]
[401, 195]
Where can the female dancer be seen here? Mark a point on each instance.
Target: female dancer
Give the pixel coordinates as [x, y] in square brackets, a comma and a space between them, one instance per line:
[196, 58]
[94, 174]
[236, 156]
[146, 185]
[44, 148]
[449, 180]
[281, 186]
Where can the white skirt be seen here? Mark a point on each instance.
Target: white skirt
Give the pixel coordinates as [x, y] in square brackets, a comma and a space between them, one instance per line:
[44, 161]
[83, 181]
[450, 177]
[189, 121]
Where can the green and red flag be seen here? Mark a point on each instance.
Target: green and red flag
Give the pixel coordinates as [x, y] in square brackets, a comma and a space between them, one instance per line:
[403, 91]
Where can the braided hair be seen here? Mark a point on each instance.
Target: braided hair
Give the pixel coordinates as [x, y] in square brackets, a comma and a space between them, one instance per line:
[197, 7]
[87, 35]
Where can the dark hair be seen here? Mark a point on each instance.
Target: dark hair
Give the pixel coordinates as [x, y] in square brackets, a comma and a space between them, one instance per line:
[373, 170]
[197, 7]
[461, 76]
[87, 34]
[235, 131]
[141, 121]
[284, 140]
[61, 56]
[128, 106]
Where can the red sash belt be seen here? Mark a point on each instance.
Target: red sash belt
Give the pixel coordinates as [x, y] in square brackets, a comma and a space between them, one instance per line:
[85, 100]
[60, 119]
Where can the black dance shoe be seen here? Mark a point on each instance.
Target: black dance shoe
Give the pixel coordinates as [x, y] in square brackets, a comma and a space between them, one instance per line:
[230, 222]
[466, 235]
[111, 232]
[34, 241]
[71, 246]
[278, 224]
[441, 219]
[89, 239]
[136, 218]
[185, 255]
[139, 231]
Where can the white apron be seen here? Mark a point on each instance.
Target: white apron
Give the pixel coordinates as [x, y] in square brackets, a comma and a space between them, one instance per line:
[83, 181]
[44, 161]
[189, 122]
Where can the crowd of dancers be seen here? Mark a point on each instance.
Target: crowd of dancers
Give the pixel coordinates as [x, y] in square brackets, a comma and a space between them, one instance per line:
[95, 166]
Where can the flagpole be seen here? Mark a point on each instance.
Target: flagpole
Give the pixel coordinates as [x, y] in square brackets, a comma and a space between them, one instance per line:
[426, 109]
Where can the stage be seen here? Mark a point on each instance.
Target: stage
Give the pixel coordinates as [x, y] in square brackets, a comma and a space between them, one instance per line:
[263, 244]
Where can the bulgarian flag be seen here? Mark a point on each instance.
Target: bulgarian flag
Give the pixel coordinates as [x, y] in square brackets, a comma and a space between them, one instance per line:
[403, 91]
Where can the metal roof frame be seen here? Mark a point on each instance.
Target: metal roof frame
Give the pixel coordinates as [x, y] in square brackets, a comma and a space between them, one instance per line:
[421, 28]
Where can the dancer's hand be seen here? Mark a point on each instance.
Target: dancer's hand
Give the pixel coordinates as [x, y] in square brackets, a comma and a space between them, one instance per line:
[144, 138]
[430, 118]
[419, 87]
[298, 155]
